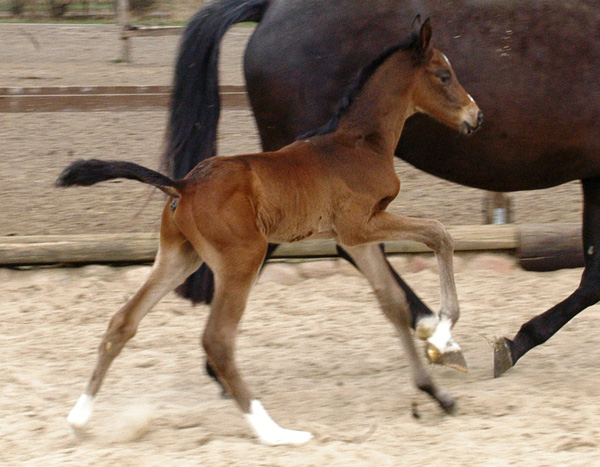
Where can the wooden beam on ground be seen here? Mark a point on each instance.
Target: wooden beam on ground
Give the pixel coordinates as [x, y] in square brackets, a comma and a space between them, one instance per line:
[71, 249]
[142, 247]
[103, 98]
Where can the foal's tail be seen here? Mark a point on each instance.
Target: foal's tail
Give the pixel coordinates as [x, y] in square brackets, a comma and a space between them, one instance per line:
[92, 171]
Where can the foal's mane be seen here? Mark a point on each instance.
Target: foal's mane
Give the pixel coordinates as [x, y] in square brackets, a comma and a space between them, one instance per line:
[357, 84]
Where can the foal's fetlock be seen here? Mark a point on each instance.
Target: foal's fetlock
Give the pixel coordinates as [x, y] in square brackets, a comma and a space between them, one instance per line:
[426, 326]
[445, 400]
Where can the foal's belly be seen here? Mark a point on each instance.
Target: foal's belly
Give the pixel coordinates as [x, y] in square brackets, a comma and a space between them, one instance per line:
[290, 230]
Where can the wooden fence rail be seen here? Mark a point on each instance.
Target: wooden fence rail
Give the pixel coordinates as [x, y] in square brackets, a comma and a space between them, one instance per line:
[539, 247]
[102, 98]
[142, 247]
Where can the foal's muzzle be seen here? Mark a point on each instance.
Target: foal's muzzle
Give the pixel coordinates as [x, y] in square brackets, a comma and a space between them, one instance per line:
[469, 128]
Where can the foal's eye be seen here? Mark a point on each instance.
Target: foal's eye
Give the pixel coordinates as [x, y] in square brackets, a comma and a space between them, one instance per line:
[444, 77]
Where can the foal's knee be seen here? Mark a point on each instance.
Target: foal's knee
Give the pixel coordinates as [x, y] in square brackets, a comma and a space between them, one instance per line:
[441, 239]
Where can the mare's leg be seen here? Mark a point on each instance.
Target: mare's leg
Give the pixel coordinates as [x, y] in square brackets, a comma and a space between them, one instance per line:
[175, 260]
[387, 226]
[539, 329]
[235, 273]
[394, 305]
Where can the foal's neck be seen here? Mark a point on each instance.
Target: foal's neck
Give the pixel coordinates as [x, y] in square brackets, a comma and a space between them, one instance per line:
[380, 109]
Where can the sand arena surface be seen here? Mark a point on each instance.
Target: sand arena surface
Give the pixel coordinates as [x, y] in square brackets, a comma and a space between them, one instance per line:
[313, 345]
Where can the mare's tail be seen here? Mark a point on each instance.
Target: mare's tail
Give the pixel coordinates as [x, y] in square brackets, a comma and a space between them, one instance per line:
[195, 104]
[92, 171]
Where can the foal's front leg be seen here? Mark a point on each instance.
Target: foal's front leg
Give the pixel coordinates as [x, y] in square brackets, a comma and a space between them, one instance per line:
[394, 305]
[384, 226]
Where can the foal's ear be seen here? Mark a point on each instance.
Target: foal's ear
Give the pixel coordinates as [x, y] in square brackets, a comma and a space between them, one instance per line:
[416, 23]
[424, 42]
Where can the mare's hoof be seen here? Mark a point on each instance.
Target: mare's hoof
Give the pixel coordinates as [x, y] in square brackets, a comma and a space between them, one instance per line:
[452, 358]
[502, 357]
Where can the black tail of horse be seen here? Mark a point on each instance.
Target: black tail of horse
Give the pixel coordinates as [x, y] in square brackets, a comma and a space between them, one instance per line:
[195, 105]
[92, 171]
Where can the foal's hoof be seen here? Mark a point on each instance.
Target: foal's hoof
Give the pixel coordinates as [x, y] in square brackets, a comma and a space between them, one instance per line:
[269, 432]
[502, 356]
[452, 358]
[448, 405]
[81, 412]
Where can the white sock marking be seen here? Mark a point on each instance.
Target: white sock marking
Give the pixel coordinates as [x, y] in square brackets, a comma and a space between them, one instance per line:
[442, 337]
[271, 433]
[81, 412]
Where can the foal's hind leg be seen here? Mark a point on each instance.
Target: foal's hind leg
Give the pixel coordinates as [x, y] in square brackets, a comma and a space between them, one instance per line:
[235, 273]
[394, 305]
[175, 260]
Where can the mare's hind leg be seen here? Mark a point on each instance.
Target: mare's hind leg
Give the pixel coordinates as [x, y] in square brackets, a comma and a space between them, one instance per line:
[394, 305]
[175, 260]
[235, 273]
[539, 329]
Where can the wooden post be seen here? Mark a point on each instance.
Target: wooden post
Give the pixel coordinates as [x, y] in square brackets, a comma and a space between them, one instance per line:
[548, 247]
[123, 16]
[497, 208]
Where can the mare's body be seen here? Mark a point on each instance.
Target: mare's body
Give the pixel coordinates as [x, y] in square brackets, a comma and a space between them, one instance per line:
[532, 66]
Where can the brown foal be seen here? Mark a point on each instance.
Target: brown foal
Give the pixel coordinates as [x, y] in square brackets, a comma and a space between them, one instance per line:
[335, 184]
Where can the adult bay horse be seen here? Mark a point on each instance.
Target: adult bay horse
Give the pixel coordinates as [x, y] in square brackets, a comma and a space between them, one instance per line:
[336, 184]
[532, 66]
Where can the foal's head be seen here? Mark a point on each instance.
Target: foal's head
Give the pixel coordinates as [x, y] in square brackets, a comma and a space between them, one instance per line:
[437, 91]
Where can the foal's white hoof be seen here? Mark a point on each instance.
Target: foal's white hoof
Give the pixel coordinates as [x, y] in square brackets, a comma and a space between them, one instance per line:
[451, 356]
[286, 437]
[269, 432]
[81, 412]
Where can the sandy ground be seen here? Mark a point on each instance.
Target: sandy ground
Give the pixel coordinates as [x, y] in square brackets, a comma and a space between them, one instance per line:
[313, 345]
[318, 354]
